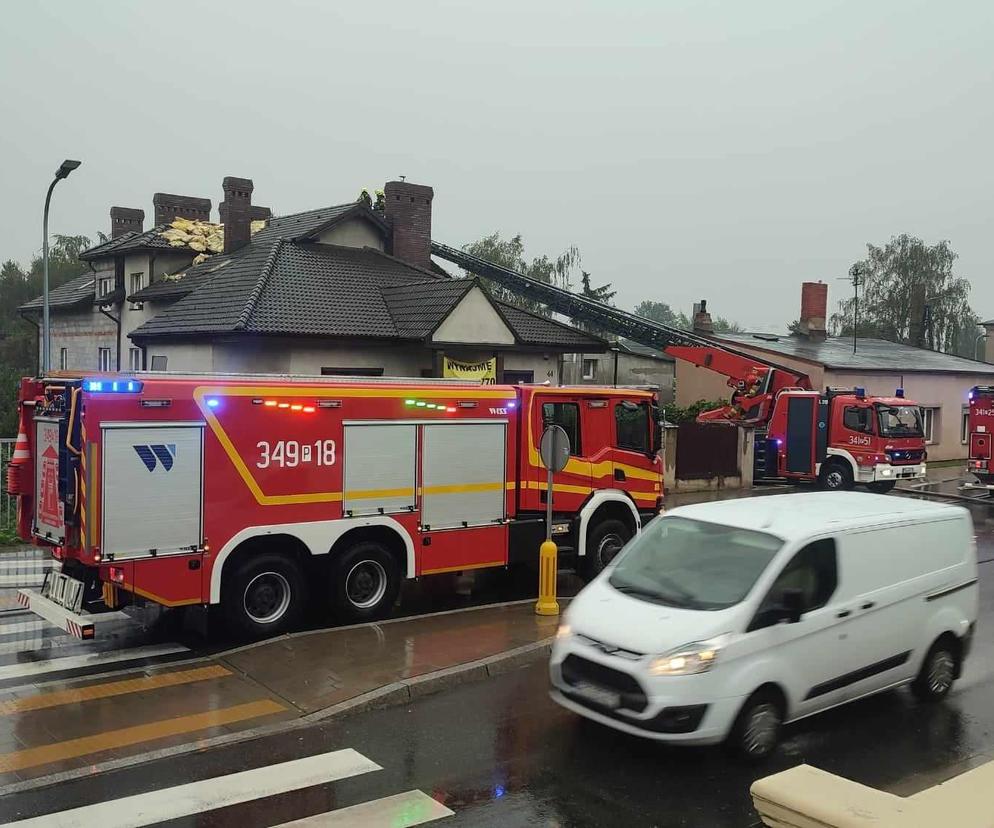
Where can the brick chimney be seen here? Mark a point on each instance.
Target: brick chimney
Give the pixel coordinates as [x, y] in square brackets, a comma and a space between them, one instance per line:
[124, 220]
[235, 212]
[814, 309]
[408, 209]
[168, 207]
[702, 319]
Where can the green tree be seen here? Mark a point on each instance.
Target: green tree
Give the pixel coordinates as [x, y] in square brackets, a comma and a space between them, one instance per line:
[598, 294]
[510, 253]
[665, 315]
[18, 337]
[910, 294]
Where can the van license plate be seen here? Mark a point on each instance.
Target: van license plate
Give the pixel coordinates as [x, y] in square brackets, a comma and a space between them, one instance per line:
[599, 696]
[65, 591]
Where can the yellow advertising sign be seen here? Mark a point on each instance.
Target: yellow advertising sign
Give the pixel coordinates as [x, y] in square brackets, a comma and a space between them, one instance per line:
[483, 372]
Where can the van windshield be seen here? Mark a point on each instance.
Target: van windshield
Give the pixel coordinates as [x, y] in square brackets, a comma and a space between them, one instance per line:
[687, 563]
[899, 420]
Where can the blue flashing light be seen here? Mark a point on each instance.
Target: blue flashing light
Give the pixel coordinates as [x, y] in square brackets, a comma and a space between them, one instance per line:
[499, 791]
[112, 386]
[860, 392]
[213, 402]
[899, 393]
[511, 404]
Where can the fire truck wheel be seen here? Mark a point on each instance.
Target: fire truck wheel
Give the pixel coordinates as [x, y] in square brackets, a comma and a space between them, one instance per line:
[835, 476]
[604, 541]
[365, 583]
[881, 486]
[265, 596]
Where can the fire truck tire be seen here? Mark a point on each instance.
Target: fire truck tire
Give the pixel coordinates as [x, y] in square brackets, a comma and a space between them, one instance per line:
[604, 541]
[835, 476]
[365, 583]
[881, 486]
[266, 595]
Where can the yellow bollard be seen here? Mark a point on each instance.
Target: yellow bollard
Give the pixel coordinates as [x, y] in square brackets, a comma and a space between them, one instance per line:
[548, 565]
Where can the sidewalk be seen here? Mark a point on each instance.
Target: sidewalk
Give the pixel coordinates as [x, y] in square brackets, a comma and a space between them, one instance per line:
[59, 730]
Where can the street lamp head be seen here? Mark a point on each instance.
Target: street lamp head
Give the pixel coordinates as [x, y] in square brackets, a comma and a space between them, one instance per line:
[67, 167]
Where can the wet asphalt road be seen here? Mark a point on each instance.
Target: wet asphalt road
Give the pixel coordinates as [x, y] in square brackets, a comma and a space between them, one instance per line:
[501, 753]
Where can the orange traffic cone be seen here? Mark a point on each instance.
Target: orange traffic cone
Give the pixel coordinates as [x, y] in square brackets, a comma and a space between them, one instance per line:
[20, 463]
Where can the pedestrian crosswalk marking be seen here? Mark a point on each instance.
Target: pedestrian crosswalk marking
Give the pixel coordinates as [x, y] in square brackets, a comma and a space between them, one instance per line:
[138, 734]
[52, 665]
[25, 563]
[25, 579]
[109, 689]
[397, 811]
[208, 794]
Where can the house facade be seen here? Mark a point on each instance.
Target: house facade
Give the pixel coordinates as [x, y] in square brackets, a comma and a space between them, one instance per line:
[624, 363]
[938, 382]
[344, 290]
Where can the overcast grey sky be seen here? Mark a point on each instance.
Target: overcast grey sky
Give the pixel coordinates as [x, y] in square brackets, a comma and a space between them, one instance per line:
[690, 149]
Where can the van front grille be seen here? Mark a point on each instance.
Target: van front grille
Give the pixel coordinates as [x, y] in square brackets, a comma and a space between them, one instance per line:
[577, 671]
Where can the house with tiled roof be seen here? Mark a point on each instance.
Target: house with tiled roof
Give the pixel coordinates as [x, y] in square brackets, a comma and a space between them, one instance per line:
[346, 289]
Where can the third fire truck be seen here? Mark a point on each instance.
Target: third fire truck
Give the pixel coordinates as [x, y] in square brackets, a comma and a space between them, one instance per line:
[258, 494]
[980, 428]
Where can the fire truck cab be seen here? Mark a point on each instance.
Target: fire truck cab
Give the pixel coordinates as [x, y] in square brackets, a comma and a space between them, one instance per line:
[258, 494]
[980, 429]
[844, 438]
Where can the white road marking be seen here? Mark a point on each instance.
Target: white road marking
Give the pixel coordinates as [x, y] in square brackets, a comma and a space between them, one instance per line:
[209, 794]
[24, 579]
[410, 808]
[52, 665]
[41, 623]
[25, 563]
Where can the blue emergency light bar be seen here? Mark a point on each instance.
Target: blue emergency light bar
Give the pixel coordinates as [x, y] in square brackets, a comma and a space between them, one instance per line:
[899, 393]
[122, 386]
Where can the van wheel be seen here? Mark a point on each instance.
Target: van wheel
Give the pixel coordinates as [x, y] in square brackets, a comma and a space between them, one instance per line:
[835, 476]
[365, 583]
[938, 672]
[604, 542]
[265, 596]
[756, 732]
[881, 486]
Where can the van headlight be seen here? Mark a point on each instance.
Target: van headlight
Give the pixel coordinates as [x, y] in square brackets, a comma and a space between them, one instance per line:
[698, 657]
[564, 630]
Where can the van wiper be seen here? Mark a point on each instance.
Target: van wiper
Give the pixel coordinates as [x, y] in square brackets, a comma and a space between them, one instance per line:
[651, 595]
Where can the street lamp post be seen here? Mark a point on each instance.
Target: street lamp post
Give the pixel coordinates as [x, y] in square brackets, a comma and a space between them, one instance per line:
[46, 349]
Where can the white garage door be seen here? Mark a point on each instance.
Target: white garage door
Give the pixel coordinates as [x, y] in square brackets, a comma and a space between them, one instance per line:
[152, 489]
[462, 474]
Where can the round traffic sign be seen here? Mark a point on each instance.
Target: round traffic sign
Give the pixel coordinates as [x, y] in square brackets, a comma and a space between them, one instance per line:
[555, 448]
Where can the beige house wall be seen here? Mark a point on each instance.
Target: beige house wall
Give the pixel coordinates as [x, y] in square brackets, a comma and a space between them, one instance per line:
[354, 233]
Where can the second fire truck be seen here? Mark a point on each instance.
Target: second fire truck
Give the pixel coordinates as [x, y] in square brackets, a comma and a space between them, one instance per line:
[980, 429]
[258, 494]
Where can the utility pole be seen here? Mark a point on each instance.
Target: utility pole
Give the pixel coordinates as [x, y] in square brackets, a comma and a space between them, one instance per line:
[855, 274]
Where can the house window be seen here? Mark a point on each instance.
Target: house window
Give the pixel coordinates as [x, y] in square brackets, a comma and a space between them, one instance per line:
[63, 358]
[134, 359]
[351, 372]
[632, 426]
[105, 286]
[566, 415]
[964, 427]
[137, 283]
[103, 359]
[589, 368]
[518, 377]
[159, 363]
[930, 424]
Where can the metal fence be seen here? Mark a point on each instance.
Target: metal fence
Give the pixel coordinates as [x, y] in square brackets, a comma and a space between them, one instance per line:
[8, 504]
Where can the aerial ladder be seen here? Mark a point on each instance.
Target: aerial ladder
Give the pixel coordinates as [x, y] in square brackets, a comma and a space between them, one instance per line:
[755, 381]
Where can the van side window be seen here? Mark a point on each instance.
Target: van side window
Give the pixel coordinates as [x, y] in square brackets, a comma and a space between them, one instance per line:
[858, 419]
[813, 570]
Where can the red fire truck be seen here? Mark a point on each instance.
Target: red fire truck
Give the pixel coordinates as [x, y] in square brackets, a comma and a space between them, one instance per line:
[980, 425]
[259, 493]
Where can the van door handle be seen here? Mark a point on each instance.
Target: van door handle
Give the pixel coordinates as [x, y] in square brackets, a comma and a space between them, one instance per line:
[619, 474]
[844, 614]
[868, 605]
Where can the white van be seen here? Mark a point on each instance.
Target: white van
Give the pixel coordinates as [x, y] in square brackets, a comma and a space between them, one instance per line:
[723, 621]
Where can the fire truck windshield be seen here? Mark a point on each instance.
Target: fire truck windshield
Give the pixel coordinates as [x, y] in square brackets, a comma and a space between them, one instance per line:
[899, 420]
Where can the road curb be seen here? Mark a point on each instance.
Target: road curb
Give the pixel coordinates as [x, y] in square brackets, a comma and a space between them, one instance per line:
[389, 695]
[982, 501]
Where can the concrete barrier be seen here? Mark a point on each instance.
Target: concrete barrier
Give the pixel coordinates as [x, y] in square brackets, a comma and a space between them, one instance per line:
[805, 797]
